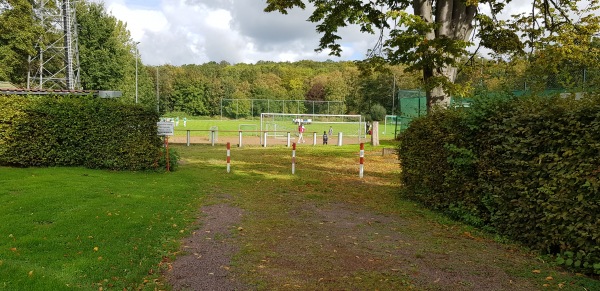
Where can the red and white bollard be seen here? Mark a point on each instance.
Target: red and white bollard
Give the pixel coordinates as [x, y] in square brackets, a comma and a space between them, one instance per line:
[228, 157]
[362, 160]
[293, 158]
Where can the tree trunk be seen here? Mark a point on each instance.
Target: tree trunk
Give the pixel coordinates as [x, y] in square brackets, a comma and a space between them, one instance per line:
[454, 20]
[375, 133]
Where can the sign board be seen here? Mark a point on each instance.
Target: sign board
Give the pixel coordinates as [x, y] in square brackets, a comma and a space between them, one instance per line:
[165, 127]
[110, 94]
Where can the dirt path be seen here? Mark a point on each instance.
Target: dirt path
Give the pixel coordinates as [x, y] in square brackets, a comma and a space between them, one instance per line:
[331, 231]
[354, 244]
[208, 252]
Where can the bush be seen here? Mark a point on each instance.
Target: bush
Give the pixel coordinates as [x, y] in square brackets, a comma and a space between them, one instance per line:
[377, 112]
[77, 130]
[527, 166]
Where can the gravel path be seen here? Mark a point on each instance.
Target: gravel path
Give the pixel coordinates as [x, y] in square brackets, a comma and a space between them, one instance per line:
[208, 252]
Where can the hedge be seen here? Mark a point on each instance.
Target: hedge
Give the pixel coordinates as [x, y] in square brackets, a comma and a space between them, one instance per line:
[77, 131]
[527, 167]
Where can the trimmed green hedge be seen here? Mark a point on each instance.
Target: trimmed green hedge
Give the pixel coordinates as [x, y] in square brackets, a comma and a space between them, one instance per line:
[528, 167]
[77, 131]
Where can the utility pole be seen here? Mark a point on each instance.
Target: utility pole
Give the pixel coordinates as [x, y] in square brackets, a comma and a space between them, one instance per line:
[157, 94]
[56, 62]
[136, 71]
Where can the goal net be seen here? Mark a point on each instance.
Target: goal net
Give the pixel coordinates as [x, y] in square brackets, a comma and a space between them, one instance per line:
[279, 124]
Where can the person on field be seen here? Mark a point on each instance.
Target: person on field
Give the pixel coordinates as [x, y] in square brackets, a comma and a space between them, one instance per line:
[301, 132]
[184, 122]
[325, 137]
[330, 131]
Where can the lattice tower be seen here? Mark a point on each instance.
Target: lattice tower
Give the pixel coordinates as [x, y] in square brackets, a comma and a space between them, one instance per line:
[56, 63]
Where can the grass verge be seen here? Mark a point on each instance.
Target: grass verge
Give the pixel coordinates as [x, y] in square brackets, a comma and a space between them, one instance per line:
[323, 228]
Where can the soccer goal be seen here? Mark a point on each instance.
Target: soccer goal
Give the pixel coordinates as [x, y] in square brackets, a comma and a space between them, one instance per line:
[389, 125]
[278, 124]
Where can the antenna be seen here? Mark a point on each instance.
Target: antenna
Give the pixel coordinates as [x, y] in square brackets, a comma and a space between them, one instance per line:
[56, 63]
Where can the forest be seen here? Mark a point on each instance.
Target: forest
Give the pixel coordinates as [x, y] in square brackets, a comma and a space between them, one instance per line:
[108, 61]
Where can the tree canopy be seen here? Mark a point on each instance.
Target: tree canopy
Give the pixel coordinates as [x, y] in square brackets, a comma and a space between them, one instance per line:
[433, 36]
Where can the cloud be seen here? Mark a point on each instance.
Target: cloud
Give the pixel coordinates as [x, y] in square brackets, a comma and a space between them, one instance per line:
[198, 31]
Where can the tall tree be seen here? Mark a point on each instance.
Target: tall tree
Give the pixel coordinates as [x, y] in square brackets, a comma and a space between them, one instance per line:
[432, 37]
[18, 34]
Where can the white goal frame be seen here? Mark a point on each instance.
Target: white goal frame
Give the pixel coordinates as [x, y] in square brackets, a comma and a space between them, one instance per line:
[359, 131]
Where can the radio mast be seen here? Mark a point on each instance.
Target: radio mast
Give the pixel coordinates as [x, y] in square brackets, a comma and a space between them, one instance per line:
[56, 63]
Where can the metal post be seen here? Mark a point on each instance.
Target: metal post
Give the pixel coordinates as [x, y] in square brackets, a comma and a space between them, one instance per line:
[293, 158]
[188, 137]
[265, 140]
[137, 53]
[240, 141]
[289, 139]
[228, 157]
[362, 160]
[314, 138]
[212, 137]
[157, 94]
[339, 139]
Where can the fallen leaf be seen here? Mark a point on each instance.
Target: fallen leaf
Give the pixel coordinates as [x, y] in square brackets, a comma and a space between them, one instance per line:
[560, 285]
[549, 278]
[13, 249]
[95, 249]
[30, 273]
[536, 271]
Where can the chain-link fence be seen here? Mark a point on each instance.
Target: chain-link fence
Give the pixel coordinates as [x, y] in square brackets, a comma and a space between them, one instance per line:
[252, 108]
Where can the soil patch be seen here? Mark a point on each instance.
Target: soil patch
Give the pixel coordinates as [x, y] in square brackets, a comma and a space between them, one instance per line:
[208, 252]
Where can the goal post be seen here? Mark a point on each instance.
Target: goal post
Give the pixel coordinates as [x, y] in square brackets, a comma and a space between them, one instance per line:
[279, 123]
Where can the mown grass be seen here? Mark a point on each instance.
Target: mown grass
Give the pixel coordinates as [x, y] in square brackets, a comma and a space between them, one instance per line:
[228, 127]
[67, 228]
[78, 228]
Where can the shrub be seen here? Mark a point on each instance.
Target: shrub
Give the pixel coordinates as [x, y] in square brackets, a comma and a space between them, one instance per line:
[528, 167]
[77, 130]
[377, 112]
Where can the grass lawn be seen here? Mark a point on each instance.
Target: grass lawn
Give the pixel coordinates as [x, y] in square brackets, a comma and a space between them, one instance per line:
[66, 228]
[69, 228]
[231, 127]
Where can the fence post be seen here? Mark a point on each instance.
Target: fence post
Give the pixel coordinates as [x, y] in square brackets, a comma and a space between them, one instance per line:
[240, 141]
[188, 137]
[362, 160]
[228, 157]
[339, 139]
[289, 139]
[212, 137]
[315, 138]
[265, 139]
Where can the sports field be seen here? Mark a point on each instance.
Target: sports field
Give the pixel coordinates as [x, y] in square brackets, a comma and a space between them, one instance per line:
[228, 131]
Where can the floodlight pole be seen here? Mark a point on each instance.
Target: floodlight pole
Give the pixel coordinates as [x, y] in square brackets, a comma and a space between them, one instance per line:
[157, 94]
[394, 95]
[136, 71]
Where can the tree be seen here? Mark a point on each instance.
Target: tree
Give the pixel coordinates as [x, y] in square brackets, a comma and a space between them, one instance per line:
[18, 34]
[102, 51]
[432, 39]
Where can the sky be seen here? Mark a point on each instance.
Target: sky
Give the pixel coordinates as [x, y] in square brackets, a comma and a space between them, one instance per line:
[179, 32]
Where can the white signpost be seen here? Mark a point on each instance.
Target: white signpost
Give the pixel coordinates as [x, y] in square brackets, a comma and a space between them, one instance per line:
[165, 128]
